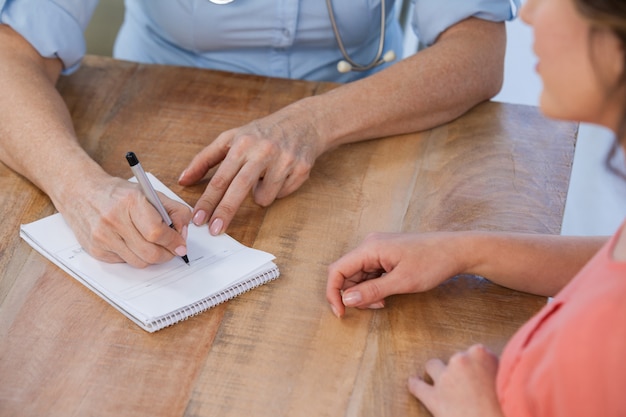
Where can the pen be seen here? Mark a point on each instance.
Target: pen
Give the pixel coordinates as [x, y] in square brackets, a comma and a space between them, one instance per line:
[149, 192]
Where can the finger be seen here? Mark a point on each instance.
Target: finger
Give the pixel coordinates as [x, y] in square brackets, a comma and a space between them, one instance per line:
[279, 182]
[109, 246]
[217, 188]
[423, 391]
[154, 241]
[131, 257]
[370, 292]
[377, 306]
[276, 169]
[291, 184]
[234, 196]
[266, 190]
[179, 213]
[128, 256]
[481, 351]
[342, 274]
[207, 158]
[337, 285]
[147, 235]
[434, 368]
[106, 256]
[483, 355]
[174, 238]
[102, 255]
[334, 285]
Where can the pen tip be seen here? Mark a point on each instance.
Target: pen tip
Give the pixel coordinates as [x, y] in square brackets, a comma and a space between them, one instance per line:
[186, 259]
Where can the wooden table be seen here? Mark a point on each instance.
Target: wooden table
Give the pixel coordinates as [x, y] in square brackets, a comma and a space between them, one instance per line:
[277, 350]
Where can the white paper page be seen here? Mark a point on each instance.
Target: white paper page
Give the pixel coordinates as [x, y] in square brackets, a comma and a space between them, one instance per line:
[215, 262]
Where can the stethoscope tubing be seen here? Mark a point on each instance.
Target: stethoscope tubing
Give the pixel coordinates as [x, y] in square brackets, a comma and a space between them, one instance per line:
[381, 43]
[354, 66]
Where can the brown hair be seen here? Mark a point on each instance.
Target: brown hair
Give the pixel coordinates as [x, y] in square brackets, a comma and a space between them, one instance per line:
[610, 15]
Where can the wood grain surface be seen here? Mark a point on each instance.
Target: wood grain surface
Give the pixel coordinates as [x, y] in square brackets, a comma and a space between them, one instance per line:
[277, 350]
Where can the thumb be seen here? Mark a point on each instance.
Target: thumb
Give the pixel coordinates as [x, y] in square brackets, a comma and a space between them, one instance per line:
[368, 294]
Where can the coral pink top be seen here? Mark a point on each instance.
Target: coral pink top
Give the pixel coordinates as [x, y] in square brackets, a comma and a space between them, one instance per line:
[570, 359]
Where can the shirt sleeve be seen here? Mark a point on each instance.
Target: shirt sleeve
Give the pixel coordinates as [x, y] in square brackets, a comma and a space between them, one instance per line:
[55, 28]
[432, 17]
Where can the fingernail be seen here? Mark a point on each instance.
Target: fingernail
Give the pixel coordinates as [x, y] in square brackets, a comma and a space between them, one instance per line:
[376, 306]
[182, 175]
[332, 307]
[351, 299]
[200, 218]
[216, 227]
[184, 232]
[181, 251]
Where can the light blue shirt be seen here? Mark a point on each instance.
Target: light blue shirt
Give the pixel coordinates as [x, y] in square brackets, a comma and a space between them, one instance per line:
[278, 38]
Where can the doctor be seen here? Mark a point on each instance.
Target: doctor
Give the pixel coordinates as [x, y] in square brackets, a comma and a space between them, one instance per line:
[350, 41]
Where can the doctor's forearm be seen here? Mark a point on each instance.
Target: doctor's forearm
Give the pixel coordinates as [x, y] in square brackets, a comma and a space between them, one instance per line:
[432, 87]
[37, 138]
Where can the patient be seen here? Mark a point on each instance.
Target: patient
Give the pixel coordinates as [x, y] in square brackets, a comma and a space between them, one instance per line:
[569, 359]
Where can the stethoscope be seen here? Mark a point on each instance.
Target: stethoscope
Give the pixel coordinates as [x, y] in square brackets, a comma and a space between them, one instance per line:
[348, 64]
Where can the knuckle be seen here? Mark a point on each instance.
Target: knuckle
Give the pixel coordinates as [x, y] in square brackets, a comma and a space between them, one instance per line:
[289, 160]
[138, 263]
[334, 267]
[154, 255]
[106, 220]
[303, 170]
[263, 147]
[458, 359]
[218, 182]
[153, 235]
[239, 144]
[301, 173]
[225, 209]
[263, 198]
[269, 148]
[98, 237]
[374, 291]
[243, 141]
[102, 255]
[477, 349]
[483, 354]
[372, 237]
[429, 362]
[205, 203]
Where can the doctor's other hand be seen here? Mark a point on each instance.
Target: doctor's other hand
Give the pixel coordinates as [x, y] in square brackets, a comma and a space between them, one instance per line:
[391, 263]
[272, 157]
[114, 223]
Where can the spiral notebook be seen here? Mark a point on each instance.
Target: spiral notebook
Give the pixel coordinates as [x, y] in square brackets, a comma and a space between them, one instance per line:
[220, 268]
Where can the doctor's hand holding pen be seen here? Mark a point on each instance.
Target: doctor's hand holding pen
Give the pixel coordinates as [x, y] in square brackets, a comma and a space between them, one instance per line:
[117, 223]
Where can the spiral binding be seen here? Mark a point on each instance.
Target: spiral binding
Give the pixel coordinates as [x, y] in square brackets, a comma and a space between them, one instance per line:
[214, 300]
